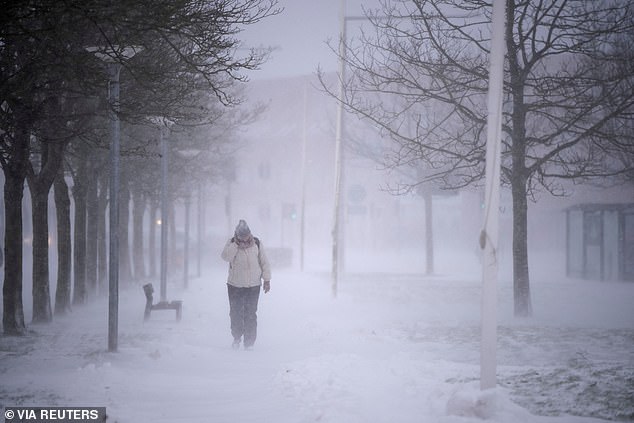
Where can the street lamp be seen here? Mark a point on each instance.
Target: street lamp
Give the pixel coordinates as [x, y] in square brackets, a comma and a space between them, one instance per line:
[111, 56]
[186, 242]
[338, 249]
[163, 124]
[200, 228]
[337, 237]
[164, 215]
[489, 235]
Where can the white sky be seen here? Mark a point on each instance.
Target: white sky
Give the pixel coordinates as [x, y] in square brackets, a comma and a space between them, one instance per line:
[300, 34]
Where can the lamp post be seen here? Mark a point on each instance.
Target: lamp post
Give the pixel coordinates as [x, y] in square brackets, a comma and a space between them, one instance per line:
[338, 230]
[186, 242]
[111, 56]
[302, 230]
[164, 215]
[489, 234]
[337, 237]
[200, 228]
[163, 124]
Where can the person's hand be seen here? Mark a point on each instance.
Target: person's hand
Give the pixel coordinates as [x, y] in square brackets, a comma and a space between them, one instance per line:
[267, 286]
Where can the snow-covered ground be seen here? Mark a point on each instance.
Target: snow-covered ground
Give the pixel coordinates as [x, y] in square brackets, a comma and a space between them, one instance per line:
[389, 348]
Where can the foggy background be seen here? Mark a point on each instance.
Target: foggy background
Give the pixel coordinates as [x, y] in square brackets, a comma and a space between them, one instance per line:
[401, 342]
[282, 165]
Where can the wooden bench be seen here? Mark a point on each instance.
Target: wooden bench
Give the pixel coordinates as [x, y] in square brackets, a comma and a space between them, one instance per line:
[176, 305]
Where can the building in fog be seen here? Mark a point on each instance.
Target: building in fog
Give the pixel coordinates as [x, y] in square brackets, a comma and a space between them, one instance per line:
[284, 175]
[600, 241]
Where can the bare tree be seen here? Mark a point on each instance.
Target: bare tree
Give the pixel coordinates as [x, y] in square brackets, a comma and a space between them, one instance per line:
[568, 96]
[64, 262]
[43, 60]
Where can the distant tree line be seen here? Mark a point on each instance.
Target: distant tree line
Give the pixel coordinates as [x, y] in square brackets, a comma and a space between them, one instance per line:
[56, 63]
[420, 75]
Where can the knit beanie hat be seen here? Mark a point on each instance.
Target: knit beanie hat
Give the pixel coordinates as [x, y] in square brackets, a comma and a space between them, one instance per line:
[242, 230]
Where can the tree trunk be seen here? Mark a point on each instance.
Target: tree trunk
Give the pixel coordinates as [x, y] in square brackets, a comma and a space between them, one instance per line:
[15, 174]
[429, 233]
[13, 313]
[92, 224]
[40, 181]
[137, 224]
[79, 236]
[102, 244]
[519, 179]
[521, 281]
[42, 311]
[64, 258]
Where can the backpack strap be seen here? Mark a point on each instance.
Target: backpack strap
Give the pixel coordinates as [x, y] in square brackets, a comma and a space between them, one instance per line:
[257, 243]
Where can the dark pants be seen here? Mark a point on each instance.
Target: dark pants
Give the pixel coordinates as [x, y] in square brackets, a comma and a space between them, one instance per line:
[243, 305]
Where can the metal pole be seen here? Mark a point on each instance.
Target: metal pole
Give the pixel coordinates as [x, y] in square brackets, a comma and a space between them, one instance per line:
[489, 235]
[186, 246]
[303, 203]
[429, 232]
[336, 235]
[113, 264]
[200, 229]
[164, 214]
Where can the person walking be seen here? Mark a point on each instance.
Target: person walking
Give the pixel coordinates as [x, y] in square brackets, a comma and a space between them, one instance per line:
[248, 267]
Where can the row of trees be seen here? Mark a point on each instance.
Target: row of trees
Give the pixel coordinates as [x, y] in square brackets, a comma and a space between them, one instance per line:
[54, 121]
[420, 75]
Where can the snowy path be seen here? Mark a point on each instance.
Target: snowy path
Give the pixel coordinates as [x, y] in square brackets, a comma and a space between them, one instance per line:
[389, 349]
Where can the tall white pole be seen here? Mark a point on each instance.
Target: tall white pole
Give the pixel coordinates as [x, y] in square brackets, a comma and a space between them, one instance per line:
[489, 234]
[338, 213]
[304, 165]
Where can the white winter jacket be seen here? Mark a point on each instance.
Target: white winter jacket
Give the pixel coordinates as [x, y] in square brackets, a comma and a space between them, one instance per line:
[247, 267]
